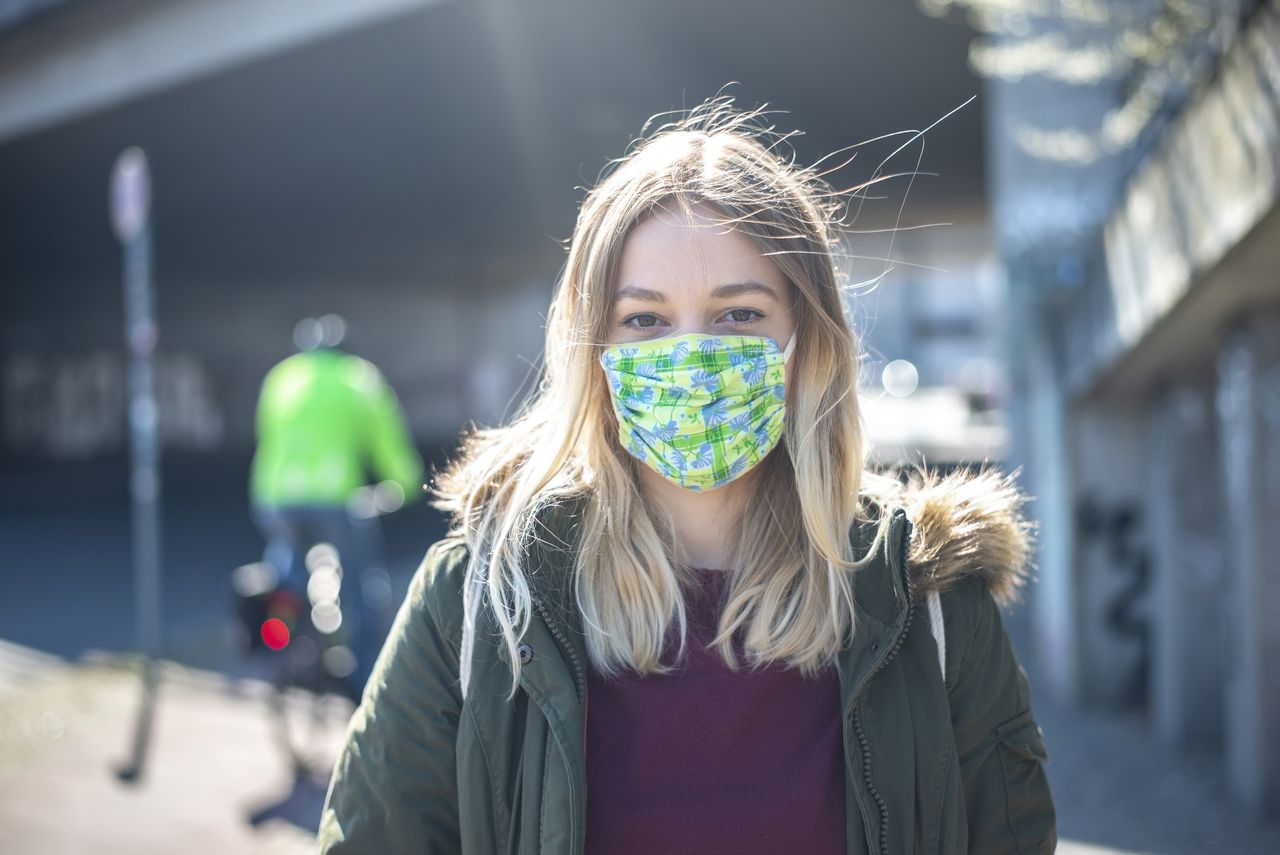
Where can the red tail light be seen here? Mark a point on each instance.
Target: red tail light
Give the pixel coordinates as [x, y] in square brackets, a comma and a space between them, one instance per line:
[275, 634]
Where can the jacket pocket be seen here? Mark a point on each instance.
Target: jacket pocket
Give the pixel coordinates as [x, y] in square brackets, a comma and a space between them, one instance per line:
[1023, 737]
[1022, 754]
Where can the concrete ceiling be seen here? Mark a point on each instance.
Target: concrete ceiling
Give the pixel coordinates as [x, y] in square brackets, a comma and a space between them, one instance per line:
[455, 138]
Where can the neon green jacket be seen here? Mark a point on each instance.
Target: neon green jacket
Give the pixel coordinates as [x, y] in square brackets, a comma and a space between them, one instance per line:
[326, 420]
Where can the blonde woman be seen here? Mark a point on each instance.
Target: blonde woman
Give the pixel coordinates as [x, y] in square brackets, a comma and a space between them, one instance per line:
[674, 613]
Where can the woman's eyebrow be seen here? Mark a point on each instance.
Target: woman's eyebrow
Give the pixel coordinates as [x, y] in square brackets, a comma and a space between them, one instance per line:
[720, 292]
[737, 289]
[643, 294]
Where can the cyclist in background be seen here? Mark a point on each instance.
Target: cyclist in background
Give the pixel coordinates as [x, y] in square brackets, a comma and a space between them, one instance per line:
[326, 421]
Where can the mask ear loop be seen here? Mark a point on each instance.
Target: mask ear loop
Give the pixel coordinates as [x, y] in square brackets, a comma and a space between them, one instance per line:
[791, 346]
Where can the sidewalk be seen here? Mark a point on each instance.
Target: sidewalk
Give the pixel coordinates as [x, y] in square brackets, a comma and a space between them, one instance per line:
[1118, 789]
[215, 782]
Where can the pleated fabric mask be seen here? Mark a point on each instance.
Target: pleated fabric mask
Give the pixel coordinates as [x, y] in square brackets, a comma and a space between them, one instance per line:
[699, 409]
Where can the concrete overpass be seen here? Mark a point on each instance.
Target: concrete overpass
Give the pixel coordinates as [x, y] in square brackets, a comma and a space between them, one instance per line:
[410, 163]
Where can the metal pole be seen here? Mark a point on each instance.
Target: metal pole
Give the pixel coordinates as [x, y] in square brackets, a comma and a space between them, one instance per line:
[130, 211]
[140, 330]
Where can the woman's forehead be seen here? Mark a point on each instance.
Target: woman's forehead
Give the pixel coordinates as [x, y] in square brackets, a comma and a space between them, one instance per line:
[677, 252]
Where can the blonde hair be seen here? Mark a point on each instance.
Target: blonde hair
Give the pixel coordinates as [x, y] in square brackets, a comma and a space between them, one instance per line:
[790, 596]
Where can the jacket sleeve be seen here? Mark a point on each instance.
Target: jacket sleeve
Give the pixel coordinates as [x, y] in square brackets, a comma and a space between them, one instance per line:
[389, 444]
[1006, 794]
[394, 787]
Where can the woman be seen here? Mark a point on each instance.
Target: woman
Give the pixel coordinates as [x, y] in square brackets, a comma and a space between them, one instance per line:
[674, 613]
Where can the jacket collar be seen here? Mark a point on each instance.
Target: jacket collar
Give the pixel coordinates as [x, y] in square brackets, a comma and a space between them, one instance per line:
[942, 528]
[882, 595]
[882, 602]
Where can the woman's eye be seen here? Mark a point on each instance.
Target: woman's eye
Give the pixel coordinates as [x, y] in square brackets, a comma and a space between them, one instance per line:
[641, 321]
[743, 316]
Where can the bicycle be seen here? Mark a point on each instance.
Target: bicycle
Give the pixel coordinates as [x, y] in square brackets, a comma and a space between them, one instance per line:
[301, 639]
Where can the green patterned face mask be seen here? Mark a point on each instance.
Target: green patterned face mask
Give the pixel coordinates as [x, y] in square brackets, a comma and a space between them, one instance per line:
[699, 409]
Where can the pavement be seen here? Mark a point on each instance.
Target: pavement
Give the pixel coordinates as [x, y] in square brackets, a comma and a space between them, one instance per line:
[1119, 789]
[215, 781]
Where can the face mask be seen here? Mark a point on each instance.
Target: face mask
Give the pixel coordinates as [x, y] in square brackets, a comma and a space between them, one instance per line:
[699, 409]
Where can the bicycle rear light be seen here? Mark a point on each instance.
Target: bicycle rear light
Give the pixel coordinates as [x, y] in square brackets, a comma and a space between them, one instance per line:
[275, 633]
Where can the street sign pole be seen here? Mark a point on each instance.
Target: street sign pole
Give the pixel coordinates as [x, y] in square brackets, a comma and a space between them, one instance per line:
[130, 218]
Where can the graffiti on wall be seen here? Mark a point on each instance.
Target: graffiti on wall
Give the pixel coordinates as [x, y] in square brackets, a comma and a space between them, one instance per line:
[1117, 528]
[72, 406]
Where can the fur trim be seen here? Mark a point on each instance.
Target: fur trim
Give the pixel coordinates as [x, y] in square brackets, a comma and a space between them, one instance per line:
[967, 523]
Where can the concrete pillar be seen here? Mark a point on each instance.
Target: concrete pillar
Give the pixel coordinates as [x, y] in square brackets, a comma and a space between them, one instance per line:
[1249, 427]
[1053, 599]
[1184, 527]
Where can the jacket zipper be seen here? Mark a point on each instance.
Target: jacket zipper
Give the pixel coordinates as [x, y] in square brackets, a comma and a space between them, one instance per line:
[580, 683]
[864, 748]
[579, 674]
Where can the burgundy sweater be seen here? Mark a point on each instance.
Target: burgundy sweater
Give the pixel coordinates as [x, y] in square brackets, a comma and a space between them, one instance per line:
[707, 760]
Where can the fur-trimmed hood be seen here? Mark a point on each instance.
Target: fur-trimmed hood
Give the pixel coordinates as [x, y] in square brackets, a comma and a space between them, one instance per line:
[965, 523]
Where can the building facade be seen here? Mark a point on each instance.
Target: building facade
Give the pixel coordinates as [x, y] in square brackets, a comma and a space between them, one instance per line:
[1141, 240]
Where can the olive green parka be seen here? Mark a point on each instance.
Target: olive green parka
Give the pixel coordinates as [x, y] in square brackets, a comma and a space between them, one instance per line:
[933, 764]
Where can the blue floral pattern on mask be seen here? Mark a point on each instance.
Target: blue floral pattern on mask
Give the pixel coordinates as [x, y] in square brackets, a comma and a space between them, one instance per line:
[699, 409]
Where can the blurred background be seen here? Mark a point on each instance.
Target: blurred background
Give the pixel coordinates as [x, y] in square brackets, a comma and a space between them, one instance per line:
[1074, 274]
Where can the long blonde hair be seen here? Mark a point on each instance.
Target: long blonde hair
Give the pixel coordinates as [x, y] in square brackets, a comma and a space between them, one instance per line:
[790, 593]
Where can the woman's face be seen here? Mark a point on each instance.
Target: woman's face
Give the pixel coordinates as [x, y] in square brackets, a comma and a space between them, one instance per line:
[683, 274]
